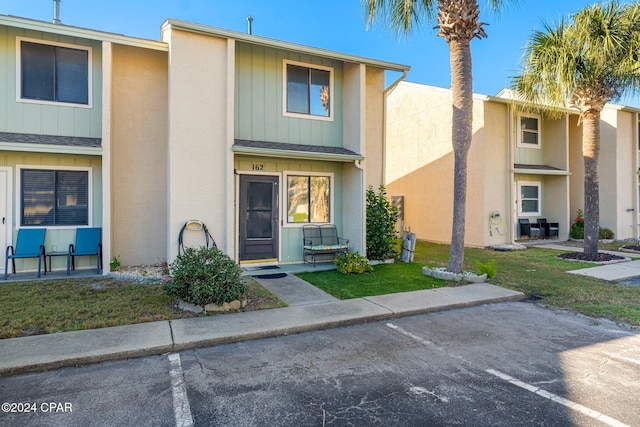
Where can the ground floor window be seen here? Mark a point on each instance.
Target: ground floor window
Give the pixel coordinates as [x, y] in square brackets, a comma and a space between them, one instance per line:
[529, 198]
[308, 199]
[54, 197]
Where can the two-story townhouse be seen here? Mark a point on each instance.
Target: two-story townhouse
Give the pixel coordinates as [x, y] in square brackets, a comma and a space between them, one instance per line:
[251, 136]
[72, 102]
[267, 136]
[521, 165]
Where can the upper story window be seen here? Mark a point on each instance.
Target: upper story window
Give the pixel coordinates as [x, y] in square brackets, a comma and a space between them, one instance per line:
[308, 91]
[54, 197]
[54, 72]
[529, 131]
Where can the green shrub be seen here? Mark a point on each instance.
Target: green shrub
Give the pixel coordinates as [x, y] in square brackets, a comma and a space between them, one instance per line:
[203, 276]
[605, 233]
[114, 264]
[382, 217]
[488, 268]
[577, 229]
[352, 262]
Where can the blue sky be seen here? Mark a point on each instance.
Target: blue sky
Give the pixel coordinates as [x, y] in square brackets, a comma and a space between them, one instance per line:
[338, 25]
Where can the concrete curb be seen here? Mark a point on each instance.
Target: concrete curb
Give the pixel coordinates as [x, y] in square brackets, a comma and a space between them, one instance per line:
[43, 352]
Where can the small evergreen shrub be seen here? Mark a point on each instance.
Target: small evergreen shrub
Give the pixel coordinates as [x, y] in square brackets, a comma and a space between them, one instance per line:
[488, 268]
[203, 276]
[352, 263]
[577, 229]
[605, 234]
[382, 217]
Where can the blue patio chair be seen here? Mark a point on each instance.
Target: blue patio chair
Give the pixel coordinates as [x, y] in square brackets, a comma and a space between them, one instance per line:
[88, 242]
[30, 244]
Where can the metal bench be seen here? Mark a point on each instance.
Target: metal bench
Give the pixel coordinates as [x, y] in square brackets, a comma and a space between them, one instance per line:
[321, 239]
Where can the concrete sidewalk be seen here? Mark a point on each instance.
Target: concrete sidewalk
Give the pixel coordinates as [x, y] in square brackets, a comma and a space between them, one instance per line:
[616, 272]
[613, 272]
[309, 309]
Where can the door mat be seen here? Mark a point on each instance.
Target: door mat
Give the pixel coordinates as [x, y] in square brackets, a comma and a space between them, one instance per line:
[266, 267]
[271, 276]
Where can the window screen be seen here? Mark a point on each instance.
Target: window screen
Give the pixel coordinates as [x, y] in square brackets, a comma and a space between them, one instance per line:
[54, 73]
[54, 198]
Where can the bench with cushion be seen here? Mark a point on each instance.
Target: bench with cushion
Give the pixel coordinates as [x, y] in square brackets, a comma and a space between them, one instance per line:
[321, 239]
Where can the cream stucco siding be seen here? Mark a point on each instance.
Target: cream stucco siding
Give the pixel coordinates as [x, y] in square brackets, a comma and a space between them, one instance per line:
[374, 112]
[200, 170]
[354, 138]
[616, 168]
[419, 163]
[138, 155]
[496, 158]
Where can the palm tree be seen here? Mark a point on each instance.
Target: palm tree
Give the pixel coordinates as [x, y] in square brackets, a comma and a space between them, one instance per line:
[457, 22]
[584, 63]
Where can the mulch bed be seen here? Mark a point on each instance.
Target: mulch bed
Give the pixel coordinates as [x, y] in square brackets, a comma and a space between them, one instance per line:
[630, 248]
[600, 257]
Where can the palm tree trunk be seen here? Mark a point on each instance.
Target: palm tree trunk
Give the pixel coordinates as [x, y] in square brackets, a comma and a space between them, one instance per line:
[590, 153]
[461, 85]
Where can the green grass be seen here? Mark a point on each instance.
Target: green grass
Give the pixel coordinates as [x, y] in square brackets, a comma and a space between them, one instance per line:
[43, 307]
[535, 272]
[385, 279]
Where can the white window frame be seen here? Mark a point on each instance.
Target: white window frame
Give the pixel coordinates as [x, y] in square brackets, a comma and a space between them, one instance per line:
[538, 132]
[285, 198]
[529, 184]
[19, 98]
[89, 171]
[285, 113]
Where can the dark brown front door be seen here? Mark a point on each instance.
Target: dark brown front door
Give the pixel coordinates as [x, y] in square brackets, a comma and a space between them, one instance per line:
[258, 217]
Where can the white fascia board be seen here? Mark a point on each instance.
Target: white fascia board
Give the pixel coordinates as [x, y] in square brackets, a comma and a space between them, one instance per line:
[263, 41]
[85, 33]
[49, 148]
[292, 154]
[541, 172]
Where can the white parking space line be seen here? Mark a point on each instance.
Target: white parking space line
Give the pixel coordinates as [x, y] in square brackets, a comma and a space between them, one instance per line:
[181, 408]
[409, 334]
[561, 400]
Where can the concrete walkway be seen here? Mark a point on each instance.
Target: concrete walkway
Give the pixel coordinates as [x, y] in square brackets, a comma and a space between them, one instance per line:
[309, 309]
[614, 272]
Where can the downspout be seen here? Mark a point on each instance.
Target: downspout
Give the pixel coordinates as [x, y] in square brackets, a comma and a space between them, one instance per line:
[385, 94]
[510, 154]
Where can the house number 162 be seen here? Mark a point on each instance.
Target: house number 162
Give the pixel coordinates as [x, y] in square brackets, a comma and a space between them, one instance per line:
[257, 166]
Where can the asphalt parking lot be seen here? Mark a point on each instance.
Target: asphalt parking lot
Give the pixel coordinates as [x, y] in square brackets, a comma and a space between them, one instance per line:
[500, 365]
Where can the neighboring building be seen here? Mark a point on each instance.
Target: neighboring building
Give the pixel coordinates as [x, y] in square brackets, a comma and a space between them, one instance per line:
[520, 165]
[254, 137]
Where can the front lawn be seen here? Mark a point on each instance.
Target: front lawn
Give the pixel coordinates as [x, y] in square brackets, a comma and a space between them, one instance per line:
[48, 306]
[385, 279]
[534, 271]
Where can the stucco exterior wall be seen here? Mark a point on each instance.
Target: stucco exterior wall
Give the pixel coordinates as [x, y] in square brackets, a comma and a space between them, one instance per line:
[617, 171]
[354, 137]
[200, 167]
[496, 175]
[374, 111]
[419, 163]
[576, 167]
[138, 155]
